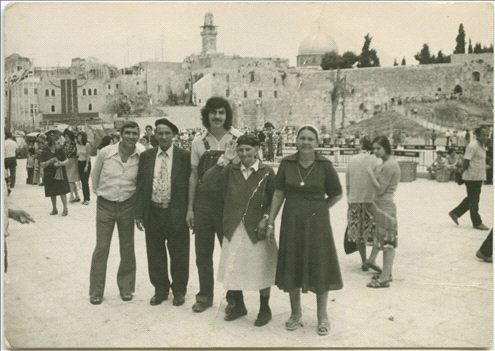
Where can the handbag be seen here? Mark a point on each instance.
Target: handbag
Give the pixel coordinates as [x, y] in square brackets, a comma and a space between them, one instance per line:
[349, 246]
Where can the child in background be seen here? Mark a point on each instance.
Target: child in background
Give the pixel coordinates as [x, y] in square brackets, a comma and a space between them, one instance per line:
[31, 157]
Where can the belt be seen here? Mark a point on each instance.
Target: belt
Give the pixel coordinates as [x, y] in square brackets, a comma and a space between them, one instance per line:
[158, 204]
[114, 202]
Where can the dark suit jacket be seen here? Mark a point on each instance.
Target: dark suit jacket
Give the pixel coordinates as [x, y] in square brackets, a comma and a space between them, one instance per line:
[181, 169]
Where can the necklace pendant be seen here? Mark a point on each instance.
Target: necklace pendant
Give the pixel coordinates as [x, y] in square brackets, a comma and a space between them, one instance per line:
[301, 184]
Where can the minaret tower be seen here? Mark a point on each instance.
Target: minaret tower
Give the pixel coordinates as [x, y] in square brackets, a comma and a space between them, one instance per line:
[209, 35]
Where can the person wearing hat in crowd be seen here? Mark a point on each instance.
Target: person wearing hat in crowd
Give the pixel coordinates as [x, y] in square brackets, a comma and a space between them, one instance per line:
[249, 259]
[204, 213]
[307, 257]
[161, 208]
[114, 182]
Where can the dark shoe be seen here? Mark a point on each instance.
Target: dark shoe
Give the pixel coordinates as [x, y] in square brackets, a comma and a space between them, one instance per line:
[481, 227]
[201, 306]
[237, 311]
[65, 212]
[179, 300]
[230, 305]
[454, 217]
[96, 300]
[126, 297]
[156, 300]
[263, 318]
[483, 257]
[53, 213]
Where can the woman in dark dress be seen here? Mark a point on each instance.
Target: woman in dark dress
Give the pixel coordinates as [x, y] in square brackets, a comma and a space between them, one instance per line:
[53, 160]
[307, 257]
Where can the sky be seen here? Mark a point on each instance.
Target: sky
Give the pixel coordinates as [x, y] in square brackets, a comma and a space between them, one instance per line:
[123, 34]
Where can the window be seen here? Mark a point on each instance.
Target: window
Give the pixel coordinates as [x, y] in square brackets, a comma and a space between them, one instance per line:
[116, 86]
[109, 86]
[274, 80]
[25, 91]
[476, 76]
[6, 93]
[95, 92]
[260, 93]
[227, 93]
[187, 86]
[53, 108]
[159, 88]
[89, 91]
[90, 107]
[137, 83]
[47, 92]
[439, 89]
[35, 91]
[275, 94]
[53, 92]
[245, 93]
[84, 91]
[199, 100]
[227, 78]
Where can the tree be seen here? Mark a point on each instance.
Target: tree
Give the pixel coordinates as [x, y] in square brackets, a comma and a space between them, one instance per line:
[368, 57]
[477, 49]
[331, 60]
[403, 63]
[395, 62]
[470, 47]
[441, 58]
[461, 41]
[424, 57]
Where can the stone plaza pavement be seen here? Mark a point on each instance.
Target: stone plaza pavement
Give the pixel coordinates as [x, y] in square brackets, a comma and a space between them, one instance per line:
[441, 296]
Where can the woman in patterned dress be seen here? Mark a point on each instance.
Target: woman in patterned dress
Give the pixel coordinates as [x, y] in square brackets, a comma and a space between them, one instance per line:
[307, 258]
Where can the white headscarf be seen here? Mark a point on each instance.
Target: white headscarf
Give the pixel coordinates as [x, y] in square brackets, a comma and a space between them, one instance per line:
[310, 126]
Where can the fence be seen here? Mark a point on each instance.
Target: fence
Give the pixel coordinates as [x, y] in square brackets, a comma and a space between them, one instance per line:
[424, 155]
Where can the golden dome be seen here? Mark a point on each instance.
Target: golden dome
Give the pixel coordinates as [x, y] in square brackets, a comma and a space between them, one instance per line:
[317, 44]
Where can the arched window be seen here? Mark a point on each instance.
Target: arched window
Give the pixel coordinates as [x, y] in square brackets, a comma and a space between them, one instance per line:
[90, 107]
[89, 91]
[53, 92]
[95, 92]
[84, 91]
[53, 108]
[476, 76]
[47, 92]
[457, 89]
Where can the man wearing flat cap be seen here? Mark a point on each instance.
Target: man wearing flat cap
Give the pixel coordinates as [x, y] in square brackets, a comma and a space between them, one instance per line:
[161, 208]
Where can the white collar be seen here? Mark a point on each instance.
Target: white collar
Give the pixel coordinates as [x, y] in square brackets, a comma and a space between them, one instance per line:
[255, 166]
[166, 153]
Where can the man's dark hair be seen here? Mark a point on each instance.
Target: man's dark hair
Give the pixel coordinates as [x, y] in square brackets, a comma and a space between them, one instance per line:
[366, 143]
[70, 134]
[478, 130]
[213, 104]
[129, 124]
[8, 135]
[148, 126]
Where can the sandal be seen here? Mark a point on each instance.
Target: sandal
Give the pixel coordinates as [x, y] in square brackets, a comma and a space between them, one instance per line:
[372, 266]
[377, 284]
[323, 328]
[53, 213]
[65, 212]
[293, 323]
[377, 276]
[365, 267]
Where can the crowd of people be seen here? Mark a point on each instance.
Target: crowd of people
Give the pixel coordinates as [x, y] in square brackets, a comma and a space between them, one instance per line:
[217, 186]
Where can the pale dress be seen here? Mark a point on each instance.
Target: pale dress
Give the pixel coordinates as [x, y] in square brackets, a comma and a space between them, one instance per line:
[247, 266]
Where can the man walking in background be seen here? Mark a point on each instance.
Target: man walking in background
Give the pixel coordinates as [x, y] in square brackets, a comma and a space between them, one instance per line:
[10, 147]
[474, 165]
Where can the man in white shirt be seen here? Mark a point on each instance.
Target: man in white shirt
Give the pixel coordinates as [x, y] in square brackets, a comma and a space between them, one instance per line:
[10, 147]
[474, 164]
[114, 182]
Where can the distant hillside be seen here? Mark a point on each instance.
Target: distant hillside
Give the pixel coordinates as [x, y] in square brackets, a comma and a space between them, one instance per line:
[385, 123]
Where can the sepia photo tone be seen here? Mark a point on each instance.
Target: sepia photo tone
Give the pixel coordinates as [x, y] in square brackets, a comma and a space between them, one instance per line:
[177, 173]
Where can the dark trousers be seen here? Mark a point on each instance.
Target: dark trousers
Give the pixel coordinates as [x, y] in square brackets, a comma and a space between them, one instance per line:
[11, 164]
[159, 231]
[207, 221]
[84, 176]
[487, 247]
[107, 214]
[30, 172]
[470, 203]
